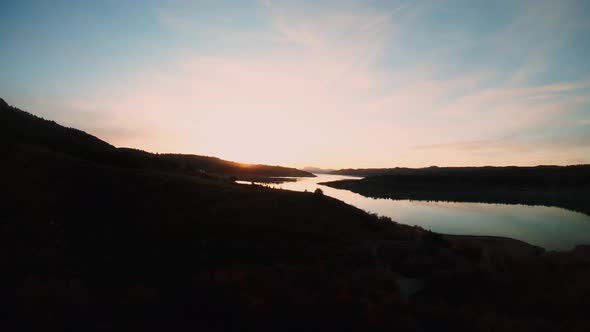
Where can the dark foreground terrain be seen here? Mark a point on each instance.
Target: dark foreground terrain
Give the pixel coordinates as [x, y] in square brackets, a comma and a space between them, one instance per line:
[562, 186]
[90, 244]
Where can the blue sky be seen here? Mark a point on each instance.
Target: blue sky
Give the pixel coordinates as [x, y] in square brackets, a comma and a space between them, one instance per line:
[324, 83]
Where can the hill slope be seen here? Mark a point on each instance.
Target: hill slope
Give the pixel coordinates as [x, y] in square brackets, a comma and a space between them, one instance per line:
[88, 244]
[17, 126]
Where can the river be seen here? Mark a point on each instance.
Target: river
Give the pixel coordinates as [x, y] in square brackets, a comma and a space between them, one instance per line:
[550, 227]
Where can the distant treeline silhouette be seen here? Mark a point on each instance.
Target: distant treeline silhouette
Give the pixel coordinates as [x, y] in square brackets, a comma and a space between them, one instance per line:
[562, 186]
[505, 175]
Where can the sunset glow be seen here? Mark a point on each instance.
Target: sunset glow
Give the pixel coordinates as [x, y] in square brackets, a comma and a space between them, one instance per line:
[341, 84]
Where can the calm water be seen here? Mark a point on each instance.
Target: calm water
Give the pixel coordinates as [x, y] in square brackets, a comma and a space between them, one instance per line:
[549, 227]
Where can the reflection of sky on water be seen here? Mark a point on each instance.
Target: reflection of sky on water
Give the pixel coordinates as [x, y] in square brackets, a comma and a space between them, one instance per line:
[550, 227]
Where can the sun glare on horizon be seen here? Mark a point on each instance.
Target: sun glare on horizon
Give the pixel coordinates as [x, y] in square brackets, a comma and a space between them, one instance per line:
[330, 84]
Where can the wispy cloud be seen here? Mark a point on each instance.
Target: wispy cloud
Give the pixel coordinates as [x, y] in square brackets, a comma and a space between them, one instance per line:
[349, 85]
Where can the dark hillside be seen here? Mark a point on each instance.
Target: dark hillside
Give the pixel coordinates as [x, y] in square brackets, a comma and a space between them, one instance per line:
[17, 126]
[112, 232]
[90, 245]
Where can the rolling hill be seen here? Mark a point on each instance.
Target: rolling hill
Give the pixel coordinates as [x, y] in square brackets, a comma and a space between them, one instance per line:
[97, 238]
[20, 127]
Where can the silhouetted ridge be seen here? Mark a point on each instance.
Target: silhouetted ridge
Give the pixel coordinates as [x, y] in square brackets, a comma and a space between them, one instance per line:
[21, 127]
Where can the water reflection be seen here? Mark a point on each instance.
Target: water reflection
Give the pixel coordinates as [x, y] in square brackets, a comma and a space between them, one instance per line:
[550, 227]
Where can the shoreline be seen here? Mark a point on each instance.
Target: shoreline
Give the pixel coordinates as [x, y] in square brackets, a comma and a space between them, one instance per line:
[500, 245]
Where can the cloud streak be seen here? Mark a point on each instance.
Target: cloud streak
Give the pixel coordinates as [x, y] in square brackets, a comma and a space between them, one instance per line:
[350, 86]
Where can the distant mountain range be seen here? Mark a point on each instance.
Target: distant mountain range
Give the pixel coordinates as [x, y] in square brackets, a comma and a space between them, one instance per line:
[317, 170]
[469, 171]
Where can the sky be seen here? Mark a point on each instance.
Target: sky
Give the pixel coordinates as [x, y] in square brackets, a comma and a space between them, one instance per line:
[333, 84]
